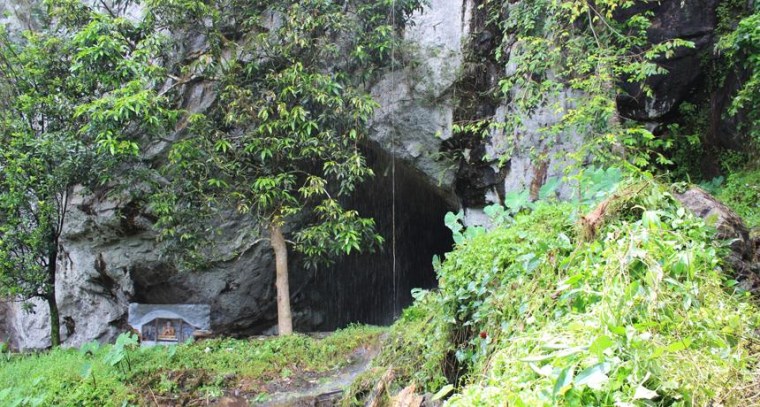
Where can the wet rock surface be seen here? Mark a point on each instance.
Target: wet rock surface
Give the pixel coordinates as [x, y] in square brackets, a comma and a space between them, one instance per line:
[693, 21]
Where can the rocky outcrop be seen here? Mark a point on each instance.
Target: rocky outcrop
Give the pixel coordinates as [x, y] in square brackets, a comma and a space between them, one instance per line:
[693, 21]
[743, 257]
[695, 75]
[484, 175]
[110, 259]
[417, 101]
[19, 15]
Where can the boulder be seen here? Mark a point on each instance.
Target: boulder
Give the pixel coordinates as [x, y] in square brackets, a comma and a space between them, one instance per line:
[729, 227]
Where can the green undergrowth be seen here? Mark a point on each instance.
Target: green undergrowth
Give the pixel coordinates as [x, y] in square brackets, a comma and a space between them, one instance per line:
[114, 375]
[741, 192]
[639, 312]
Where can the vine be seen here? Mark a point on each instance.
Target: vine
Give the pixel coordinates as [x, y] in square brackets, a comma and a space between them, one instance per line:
[574, 59]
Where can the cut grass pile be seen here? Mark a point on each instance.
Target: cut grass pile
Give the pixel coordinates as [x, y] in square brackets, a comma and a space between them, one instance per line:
[538, 312]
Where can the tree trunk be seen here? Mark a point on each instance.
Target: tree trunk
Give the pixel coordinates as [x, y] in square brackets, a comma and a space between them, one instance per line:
[284, 317]
[55, 324]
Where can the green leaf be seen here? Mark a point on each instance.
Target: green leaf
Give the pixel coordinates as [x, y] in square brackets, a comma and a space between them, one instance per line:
[86, 370]
[549, 188]
[594, 377]
[89, 348]
[600, 344]
[443, 392]
[545, 371]
[4, 393]
[517, 201]
[679, 346]
[564, 382]
[642, 393]
[451, 220]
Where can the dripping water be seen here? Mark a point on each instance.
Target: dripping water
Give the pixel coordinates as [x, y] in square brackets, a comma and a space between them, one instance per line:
[366, 287]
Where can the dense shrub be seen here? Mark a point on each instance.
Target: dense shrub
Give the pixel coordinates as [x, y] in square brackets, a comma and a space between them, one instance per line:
[533, 314]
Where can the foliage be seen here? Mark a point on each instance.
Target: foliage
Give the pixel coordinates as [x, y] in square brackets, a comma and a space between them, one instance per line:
[743, 46]
[77, 95]
[283, 143]
[89, 376]
[119, 353]
[684, 140]
[740, 192]
[414, 347]
[529, 314]
[575, 59]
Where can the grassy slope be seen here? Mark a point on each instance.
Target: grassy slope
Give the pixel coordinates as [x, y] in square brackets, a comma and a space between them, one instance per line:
[192, 372]
[741, 191]
[532, 315]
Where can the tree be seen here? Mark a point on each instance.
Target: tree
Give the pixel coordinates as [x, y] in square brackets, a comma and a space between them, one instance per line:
[284, 140]
[76, 95]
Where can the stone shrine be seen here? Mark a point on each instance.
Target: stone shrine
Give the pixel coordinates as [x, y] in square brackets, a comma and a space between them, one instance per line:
[166, 324]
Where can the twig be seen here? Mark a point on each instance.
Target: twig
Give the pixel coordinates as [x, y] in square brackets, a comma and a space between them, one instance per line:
[377, 392]
[153, 395]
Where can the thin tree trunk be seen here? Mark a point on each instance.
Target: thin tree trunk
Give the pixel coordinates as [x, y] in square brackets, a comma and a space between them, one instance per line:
[284, 317]
[55, 324]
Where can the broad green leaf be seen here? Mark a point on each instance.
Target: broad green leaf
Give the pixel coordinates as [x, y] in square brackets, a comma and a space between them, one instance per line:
[545, 371]
[564, 381]
[600, 344]
[680, 345]
[549, 188]
[86, 370]
[594, 377]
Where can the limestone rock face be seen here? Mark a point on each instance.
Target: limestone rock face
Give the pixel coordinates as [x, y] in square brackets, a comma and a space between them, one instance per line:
[19, 15]
[110, 257]
[443, 75]
[416, 101]
[25, 328]
[690, 72]
[694, 21]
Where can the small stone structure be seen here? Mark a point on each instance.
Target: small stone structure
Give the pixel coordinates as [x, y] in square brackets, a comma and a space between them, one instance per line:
[166, 324]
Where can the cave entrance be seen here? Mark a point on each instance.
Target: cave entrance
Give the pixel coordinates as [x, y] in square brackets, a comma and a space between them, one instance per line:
[362, 288]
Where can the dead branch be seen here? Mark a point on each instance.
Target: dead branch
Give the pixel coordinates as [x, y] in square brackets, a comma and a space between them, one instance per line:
[377, 392]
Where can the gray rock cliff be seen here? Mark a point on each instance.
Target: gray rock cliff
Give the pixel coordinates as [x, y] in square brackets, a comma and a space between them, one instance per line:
[110, 257]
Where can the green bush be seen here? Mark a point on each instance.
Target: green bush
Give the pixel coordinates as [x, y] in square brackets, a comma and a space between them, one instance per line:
[640, 315]
[742, 46]
[741, 192]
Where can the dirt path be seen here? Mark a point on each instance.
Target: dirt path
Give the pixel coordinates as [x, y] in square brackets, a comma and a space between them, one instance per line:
[317, 390]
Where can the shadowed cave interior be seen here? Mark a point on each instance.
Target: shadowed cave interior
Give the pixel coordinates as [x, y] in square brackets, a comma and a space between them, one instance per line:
[362, 288]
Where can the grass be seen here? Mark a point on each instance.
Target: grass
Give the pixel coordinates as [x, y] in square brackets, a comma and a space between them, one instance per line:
[741, 191]
[190, 373]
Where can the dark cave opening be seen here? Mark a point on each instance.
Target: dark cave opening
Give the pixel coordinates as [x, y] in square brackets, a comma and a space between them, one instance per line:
[362, 288]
